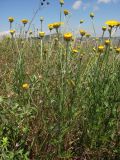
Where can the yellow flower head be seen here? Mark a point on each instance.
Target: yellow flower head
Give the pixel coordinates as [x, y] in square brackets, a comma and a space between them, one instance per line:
[50, 26]
[104, 28]
[107, 42]
[87, 35]
[66, 12]
[112, 23]
[118, 50]
[56, 25]
[61, 2]
[101, 48]
[25, 86]
[11, 19]
[74, 50]
[41, 34]
[81, 21]
[24, 21]
[92, 15]
[12, 32]
[68, 36]
[82, 32]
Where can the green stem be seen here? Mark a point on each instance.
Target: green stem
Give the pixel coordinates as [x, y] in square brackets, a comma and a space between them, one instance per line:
[41, 26]
[41, 50]
[81, 39]
[103, 35]
[10, 25]
[93, 27]
[60, 15]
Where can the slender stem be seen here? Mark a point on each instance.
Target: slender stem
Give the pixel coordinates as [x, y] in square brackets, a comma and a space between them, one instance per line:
[41, 26]
[67, 53]
[81, 39]
[103, 35]
[110, 33]
[93, 27]
[57, 33]
[60, 15]
[10, 25]
[41, 49]
[33, 18]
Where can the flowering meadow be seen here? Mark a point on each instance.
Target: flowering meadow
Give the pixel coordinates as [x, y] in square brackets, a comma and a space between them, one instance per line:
[60, 93]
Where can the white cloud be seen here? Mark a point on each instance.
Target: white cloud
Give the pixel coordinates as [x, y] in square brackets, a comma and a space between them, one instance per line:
[104, 1]
[107, 1]
[77, 4]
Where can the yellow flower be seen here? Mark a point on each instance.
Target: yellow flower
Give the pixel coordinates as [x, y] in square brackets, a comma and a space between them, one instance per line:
[41, 34]
[75, 51]
[82, 32]
[66, 12]
[50, 26]
[112, 23]
[81, 21]
[104, 28]
[107, 42]
[25, 86]
[56, 25]
[101, 48]
[61, 2]
[11, 19]
[24, 21]
[92, 15]
[118, 50]
[68, 36]
[12, 32]
[87, 35]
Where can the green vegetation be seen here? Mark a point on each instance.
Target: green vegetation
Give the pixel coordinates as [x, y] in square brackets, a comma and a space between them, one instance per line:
[58, 104]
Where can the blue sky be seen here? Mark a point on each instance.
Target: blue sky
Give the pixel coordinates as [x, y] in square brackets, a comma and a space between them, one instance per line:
[80, 9]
